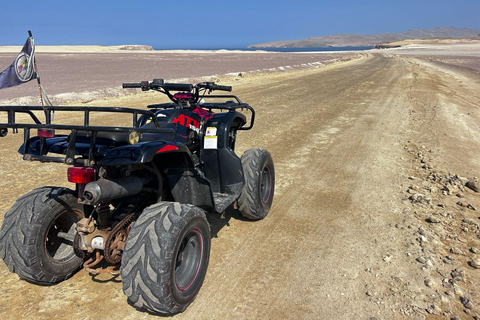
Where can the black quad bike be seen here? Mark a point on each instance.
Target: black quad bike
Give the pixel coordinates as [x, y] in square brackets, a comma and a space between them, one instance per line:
[141, 193]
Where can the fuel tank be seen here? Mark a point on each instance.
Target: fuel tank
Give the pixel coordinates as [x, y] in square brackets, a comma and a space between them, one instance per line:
[186, 124]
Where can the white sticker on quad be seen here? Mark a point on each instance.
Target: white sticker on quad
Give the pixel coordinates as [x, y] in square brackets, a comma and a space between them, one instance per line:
[211, 132]
[210, 142]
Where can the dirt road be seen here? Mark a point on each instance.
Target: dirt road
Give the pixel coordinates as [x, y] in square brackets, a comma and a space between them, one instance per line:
[349, 141]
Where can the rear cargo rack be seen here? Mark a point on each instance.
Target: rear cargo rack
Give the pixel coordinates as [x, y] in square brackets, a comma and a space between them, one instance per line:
[69, 158]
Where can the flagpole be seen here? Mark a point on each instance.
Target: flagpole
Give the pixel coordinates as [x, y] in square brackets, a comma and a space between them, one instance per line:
[36, 70]
[38, 81]
[47, 114]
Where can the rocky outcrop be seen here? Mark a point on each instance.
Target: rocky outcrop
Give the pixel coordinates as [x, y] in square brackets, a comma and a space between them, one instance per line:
[348, 40]
[136, 48]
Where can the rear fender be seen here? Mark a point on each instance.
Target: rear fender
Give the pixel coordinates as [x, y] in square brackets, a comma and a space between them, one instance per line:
[174, 161]
[223, 168]
[185, 183]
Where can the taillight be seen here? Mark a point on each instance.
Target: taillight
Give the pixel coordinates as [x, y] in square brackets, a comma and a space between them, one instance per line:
[81, 174]
[46, 133]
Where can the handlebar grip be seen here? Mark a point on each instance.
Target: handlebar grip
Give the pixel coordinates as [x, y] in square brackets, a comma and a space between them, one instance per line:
[214, 86]
[177, 87]
[131, 85]
[223, 88]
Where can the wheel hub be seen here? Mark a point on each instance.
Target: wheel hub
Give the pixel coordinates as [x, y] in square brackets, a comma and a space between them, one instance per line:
[189, 257]
[265, 184]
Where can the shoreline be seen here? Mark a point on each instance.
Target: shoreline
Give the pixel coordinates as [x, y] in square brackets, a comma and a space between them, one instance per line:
[128, 49]
[146, 49]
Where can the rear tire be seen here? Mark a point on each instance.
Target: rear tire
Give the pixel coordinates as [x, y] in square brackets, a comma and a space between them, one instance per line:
[29, 242]
[257, 194]
[166, 257]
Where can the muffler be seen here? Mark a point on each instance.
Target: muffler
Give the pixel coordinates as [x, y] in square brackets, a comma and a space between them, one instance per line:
[106, 190]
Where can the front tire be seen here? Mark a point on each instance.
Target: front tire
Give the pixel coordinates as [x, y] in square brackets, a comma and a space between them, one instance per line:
[30, 244]
[166, 257]
[257, 194]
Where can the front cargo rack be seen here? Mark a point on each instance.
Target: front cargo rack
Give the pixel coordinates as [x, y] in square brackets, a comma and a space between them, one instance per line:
[69, 158]
[228, 105]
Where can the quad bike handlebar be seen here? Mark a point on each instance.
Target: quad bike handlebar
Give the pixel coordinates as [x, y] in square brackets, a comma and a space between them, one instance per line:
[160, 84]
[191, 95]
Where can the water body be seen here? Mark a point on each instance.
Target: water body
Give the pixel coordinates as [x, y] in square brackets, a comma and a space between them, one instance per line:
[308, 49]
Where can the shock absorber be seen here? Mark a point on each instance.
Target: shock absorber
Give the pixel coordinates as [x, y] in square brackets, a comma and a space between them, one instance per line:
[103, 211]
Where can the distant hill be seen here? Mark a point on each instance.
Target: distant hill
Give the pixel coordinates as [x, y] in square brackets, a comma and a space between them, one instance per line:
[354, 40]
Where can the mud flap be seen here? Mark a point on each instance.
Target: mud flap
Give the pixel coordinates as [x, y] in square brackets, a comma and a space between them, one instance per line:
[192, 189]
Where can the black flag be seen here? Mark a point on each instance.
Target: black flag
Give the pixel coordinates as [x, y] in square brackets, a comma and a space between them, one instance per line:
[22, 69]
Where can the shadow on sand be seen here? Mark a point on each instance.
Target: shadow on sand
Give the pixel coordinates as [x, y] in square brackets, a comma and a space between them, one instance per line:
[218, 221]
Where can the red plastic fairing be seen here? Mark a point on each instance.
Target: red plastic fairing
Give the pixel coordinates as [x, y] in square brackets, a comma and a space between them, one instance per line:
[183, 95]
[203, 113]
[167, 148]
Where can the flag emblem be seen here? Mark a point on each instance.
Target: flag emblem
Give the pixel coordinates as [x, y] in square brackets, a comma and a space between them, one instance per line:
[24, 67]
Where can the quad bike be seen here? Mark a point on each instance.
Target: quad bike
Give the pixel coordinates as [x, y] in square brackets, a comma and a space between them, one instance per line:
[141, 193]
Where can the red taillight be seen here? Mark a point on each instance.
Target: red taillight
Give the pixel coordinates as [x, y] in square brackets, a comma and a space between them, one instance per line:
[167, 148]
[46, 133]
[81, 174]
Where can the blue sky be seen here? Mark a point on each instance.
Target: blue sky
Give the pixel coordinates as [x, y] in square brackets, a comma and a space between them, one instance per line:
[220, 24]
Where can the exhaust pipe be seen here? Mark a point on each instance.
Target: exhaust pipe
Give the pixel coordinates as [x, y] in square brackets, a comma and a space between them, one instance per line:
[105, 190]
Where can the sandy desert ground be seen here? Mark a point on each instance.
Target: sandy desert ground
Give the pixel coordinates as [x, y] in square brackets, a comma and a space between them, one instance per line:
[462, 57]
[91, 72]
[371, 217]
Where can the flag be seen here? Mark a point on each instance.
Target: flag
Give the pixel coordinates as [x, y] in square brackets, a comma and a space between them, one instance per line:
[22, 69]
